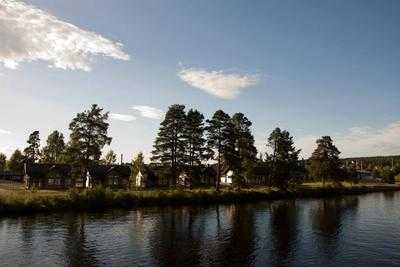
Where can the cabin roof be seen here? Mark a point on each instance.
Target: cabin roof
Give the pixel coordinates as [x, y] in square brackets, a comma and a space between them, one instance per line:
[101, 171]
[42, 169]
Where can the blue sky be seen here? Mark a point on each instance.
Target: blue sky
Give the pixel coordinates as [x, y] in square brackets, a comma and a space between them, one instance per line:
[312, 67]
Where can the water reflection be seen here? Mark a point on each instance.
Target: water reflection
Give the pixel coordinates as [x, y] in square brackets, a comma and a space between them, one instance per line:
[175, 239]
[328, 232]
[328, 218]
[284, 232]
[77, 250]
[237, 241]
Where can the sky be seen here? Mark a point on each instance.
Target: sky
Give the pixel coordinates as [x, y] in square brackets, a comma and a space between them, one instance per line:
[313, 68]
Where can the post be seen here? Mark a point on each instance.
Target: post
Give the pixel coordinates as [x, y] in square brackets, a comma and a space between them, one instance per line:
[122, 158]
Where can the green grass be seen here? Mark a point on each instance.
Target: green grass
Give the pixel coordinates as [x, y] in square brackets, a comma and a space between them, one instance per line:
[15, 199]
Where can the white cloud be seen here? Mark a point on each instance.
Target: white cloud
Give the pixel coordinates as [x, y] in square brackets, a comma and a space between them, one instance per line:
[30, 34]
[218, 83]
[4, 131]
[149, 112]
[122, 117]
[360, 141]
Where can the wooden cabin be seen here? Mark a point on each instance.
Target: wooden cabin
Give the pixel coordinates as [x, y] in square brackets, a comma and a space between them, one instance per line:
[47, 176]
[12, 176]
[226, 177]
[111, 176]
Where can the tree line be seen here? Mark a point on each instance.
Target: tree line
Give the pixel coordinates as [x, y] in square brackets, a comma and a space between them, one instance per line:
[187, 141]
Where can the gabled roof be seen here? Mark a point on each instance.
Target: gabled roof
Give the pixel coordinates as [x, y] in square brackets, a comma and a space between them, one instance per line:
[43, 169]
[101, 171]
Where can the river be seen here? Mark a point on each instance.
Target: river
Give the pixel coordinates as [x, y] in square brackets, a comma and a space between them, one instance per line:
[345, 231]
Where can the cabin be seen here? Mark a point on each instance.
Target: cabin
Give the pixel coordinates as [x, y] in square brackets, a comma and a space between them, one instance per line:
[208, 175]
[11, 176]
[226, 177]
[261, 176]
[184, 179]
[47, 176]
[111, 176]
[365, 175]
[145, 178]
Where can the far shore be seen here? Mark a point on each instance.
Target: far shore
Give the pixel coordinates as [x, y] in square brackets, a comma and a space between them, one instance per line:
[15, 199]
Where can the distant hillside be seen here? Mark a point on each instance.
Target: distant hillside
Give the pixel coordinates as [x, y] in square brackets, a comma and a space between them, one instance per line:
[377, 161]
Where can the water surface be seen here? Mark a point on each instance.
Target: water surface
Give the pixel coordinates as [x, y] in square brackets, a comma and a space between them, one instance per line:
[346, 231]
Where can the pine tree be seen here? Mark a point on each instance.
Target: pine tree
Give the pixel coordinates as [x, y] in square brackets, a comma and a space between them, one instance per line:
[54, 150]
[87, 139]
[32, 152]
[245, 152]
[284, 159]
[195, 150]
[169, 146]
[324, 161]
[220, 140]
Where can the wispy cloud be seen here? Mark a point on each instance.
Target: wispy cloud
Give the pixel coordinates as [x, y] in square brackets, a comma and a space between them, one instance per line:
[218, 83]
[360, 141]
[122, 117]
[4, 131]
[149, 112]
[29, 34]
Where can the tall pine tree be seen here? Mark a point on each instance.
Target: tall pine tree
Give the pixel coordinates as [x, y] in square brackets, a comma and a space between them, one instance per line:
[324, 161]
[284, 159]
[32, 152]
[195, 150]
[220, 140]
[88, 137]
[169, 146]
[245, 151]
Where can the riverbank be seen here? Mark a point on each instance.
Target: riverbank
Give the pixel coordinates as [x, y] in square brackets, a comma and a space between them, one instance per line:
[14, 199]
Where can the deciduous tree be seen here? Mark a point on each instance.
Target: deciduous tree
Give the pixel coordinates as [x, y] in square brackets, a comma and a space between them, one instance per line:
[54, 150]
[16, 162]
[110, 157]
[3, 162]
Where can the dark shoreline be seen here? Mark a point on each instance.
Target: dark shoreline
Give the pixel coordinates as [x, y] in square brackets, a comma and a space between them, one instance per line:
[100, 199]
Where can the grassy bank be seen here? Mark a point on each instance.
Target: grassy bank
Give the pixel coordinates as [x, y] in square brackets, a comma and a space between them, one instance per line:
[15, 199]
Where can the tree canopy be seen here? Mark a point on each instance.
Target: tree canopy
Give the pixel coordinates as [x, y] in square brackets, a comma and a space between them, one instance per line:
[89, 134]
[3, 162]
[169, 146]
[110, 157]
[32, 152]
[16, 162]
[284, 158]
[54, 150]
[220, 140]
[324, 161]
